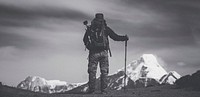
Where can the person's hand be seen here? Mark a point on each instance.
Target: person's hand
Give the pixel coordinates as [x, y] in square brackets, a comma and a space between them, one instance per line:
[127, 38]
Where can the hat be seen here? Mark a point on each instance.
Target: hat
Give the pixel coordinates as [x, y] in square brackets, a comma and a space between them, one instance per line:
[99, 19]
[99, 16]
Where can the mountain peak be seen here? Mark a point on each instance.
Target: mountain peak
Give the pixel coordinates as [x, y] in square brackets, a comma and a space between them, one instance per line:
[146, 66]
[148, 56]
[149, 59]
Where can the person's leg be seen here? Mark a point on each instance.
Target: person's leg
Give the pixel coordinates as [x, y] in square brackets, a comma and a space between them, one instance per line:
[92, 69]
[104, 67]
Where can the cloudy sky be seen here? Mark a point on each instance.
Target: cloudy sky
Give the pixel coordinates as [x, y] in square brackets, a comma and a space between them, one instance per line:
[44, 37]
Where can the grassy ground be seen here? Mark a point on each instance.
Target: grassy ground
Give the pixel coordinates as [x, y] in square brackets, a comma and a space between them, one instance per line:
[158, 91]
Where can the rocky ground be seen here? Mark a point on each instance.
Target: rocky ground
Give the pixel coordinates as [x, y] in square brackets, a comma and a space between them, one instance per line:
[157, 91]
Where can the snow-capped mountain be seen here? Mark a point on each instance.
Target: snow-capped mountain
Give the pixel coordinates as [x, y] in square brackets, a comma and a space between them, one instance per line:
[146, 71]
[38, 84]
[146, 66]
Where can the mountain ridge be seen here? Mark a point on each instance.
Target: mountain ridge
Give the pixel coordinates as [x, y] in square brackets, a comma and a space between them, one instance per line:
[39, 84]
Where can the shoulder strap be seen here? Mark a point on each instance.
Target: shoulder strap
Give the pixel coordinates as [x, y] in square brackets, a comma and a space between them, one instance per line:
[103, 30]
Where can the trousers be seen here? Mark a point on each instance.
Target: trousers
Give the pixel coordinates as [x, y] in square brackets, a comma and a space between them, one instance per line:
[95, 58]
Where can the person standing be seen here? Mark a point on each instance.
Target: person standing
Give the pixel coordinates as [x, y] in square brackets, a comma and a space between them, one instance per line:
[96, 41]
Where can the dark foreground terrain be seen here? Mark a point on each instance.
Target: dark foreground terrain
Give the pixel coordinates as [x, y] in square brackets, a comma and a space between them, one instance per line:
[157, 91]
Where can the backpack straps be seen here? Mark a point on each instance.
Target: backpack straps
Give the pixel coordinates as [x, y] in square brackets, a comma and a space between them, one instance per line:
[102, 30]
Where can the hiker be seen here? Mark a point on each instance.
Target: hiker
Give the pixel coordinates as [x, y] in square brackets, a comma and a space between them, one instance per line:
[96, 41]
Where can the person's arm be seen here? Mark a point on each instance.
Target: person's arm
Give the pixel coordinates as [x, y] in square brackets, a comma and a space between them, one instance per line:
[116, 37]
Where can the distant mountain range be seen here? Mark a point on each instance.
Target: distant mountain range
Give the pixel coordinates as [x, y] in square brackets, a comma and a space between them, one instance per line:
[39, 84]
[144, 72]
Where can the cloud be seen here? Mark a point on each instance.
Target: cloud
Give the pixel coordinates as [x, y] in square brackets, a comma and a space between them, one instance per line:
[162, 62]
[16, 16]
[171, 20]
[7, 52]
[36, 27]
[181, 64]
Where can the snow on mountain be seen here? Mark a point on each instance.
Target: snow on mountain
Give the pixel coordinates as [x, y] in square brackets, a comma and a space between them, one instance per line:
[146, 70]
[146, 66]
[39, 84]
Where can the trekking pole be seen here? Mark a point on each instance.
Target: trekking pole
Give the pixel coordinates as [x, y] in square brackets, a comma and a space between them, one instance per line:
[125, 66]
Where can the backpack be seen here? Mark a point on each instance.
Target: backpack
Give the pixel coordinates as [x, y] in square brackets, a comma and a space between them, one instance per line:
[96, 39]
